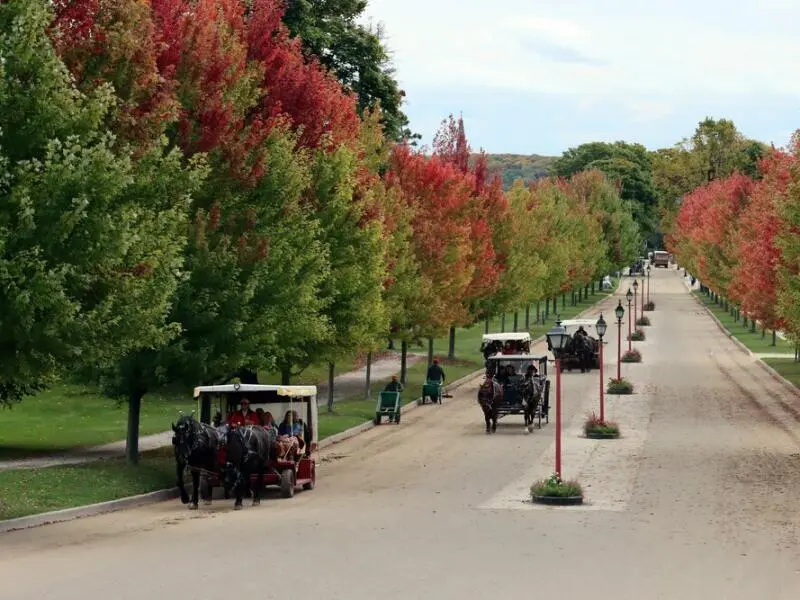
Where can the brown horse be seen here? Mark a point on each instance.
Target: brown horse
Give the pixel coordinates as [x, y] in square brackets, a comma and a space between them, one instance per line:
[490, 394]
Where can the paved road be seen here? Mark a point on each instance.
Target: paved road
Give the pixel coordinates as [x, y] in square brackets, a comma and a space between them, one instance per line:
[697, 501]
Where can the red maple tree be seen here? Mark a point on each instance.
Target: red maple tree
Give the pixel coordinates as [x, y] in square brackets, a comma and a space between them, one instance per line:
[756, 274]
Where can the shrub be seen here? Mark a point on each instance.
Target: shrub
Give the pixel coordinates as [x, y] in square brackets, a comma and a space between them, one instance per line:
[643, 321]
[650, 306]
[554, 487]
[637, 336]
[632, 356]
[619, 386]
[594, 425]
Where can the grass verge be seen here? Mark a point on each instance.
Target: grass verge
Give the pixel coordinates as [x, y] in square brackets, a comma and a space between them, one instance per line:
[757, 341]
[30, 491]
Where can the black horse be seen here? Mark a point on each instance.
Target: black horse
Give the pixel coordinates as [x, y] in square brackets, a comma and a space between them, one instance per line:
[249, 450]
[582, 347]
[490, 394]
[196, 446]
[531, 397]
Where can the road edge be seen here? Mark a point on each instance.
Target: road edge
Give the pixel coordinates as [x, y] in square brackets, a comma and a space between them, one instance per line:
[92, 510]
[770, 370]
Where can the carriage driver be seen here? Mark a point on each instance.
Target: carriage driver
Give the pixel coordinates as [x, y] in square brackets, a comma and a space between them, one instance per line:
[244, 416]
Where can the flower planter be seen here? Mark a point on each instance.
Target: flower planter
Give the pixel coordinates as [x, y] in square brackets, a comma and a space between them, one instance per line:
[602, 435]
[558, 500]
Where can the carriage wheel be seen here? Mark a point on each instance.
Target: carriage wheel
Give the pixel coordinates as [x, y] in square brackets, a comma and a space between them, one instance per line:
[287, 483]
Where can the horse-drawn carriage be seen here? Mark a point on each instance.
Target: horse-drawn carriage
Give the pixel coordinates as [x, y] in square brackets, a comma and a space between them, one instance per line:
[244, 457]
[637, 268]
[505, 343]
[582, 351]
[515, 384]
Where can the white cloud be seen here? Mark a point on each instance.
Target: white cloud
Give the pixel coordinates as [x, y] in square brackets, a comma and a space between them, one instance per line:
[500, 44]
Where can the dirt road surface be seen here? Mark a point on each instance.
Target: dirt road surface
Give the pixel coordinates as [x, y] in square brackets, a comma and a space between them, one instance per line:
[699, 500]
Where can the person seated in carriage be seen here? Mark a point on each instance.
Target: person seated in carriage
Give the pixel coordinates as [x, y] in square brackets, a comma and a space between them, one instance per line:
[509, 348]
[269, 422]
[291, 439]
[244, 416]
[531, 372]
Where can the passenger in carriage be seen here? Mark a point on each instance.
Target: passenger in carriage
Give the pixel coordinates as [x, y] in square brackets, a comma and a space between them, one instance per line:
[269, 422]
[243, 416]
[509, 348]
[291, 434]
[531, 372]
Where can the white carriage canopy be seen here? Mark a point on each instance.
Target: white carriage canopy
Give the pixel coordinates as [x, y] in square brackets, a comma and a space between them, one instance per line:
[589, 325]
[276, 399]
[519, 336]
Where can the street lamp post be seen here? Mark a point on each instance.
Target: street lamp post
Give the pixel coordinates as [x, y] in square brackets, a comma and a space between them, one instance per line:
[620, 312]
[648, 286]
[635, 299]
[629, 297]
[601, 331]
[557, 338]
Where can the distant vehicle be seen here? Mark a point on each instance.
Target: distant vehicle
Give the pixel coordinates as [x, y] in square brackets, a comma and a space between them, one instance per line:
[661, 259]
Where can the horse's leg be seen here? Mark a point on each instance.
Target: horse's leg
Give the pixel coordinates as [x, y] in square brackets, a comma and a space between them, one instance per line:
[494, 418]
[259, 485]
[240, 483]
[195, 489]
[487, 418]
[181, 467]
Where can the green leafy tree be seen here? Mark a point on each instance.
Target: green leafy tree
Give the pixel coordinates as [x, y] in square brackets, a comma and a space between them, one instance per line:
[91, 238]
[631, 166]
[355, 52]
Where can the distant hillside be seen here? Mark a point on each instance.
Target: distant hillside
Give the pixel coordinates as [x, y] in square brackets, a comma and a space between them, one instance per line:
[515, 166]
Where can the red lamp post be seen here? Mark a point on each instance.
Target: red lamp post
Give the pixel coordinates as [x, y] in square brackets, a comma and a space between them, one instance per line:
[635, 299]
[557, 338]
[629, 297]
[601, 331]
[620, 312]
[648, 286]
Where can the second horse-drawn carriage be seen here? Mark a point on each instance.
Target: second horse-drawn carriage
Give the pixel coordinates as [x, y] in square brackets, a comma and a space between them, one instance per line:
[583, 349]
[515, 384]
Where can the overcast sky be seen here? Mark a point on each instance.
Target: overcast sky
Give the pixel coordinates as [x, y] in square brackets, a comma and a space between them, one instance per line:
[538, 77]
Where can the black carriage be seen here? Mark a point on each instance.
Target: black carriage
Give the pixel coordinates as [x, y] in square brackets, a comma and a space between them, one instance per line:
[509, 371]
[583, 354]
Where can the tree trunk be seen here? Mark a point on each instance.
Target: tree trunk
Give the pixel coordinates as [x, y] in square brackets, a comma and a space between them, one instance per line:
[774, 338]
[563, 301]
[752, 325]
[331, 373]
[763, 333]
[132, 441]
[403, 362]
[527, 317]
[516, 321]
[368, 387]
[430, 351]
[503, 323]
[546, 309]
[593, 289]
[286, 375]
[486, 325]
[391, 344]
[451, 347]
[538, 311]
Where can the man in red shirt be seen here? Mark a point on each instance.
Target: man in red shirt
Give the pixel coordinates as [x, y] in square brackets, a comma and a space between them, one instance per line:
[243, 416]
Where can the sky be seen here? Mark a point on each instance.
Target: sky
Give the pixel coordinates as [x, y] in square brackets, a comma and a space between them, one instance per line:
[538, 77]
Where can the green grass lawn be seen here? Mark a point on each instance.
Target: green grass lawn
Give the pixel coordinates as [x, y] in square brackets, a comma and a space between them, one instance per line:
[787, 367]
[31, 491]
[753, 341]
[70, 416]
